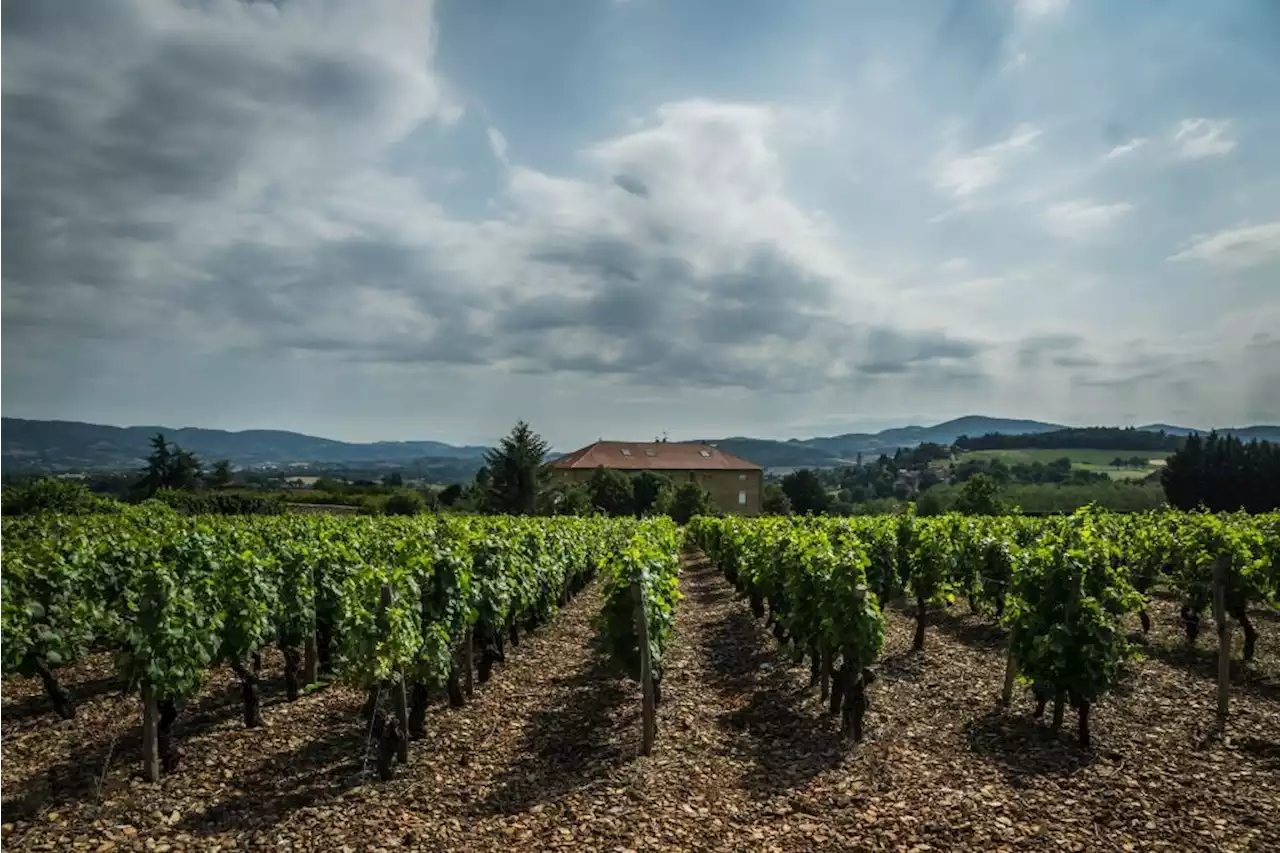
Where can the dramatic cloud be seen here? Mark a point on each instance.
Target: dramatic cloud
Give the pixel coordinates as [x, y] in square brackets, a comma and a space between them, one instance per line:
[965, 174]
[370, 222]
[1197, 138]
[1032, 350]
[498, 144]
[1236, 248]
[1126, 147]
[1081, 219]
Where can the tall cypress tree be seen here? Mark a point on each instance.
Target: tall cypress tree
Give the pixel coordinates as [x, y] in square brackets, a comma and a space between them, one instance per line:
[515, 471]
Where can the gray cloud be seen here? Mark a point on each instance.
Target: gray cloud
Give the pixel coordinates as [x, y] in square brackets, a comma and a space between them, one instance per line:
[216, 180]
[882, 368]
[1032, 350]
[1263, 345]
[1075, 361]
[633, 185]
[1168, 371]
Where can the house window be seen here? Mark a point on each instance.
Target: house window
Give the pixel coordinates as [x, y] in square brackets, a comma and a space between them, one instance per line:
[742, 498]
[705, 453]
[742, 476]
[626, 451]
[651, 453]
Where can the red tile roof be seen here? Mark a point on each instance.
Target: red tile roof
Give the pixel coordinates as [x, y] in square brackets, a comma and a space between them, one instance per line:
[654, 456]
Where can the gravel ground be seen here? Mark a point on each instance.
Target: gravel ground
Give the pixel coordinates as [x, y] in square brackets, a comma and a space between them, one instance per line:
[546, 755]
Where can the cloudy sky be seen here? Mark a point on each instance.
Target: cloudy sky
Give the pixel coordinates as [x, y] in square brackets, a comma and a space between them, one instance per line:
[392, 220]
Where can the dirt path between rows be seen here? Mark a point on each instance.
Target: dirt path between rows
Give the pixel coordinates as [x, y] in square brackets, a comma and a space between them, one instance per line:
[545, 757]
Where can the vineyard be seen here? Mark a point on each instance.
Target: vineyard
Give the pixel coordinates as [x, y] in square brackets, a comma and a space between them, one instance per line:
[870, 683]
[1062, 588]
[396, 608]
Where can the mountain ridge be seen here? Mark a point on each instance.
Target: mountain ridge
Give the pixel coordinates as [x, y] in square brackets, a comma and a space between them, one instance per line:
[72, 444]
[57, 446]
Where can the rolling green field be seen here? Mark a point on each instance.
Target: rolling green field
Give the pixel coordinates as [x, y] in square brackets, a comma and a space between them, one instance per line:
[1089, 460]
[1116, 473]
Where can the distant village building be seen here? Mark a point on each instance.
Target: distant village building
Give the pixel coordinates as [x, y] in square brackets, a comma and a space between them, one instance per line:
[301, 482]
[736, 485]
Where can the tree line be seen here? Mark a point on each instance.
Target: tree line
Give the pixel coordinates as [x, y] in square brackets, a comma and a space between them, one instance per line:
[1221, 473]
[1075, 438]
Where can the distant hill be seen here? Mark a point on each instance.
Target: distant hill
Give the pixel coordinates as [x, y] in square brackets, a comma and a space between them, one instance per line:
[1250, 433]
[848, 446]
[836, 450]
[55, 446]
[777, 454]
[1169, 429]
[1268, 432]
[72, 446]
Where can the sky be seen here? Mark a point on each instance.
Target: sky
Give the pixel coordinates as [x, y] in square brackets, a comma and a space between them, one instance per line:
[407, 220]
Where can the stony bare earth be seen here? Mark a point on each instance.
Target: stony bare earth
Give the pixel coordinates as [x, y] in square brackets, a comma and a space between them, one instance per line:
[545, 756]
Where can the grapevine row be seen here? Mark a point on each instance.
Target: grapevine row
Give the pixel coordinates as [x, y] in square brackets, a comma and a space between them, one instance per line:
[637, 618]
[383, 604]
[1062, 586]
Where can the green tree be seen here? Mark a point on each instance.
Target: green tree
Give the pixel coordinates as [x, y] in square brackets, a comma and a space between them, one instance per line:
[49, 494]
[329, 484]
[565, 499]
[980, 496]
[169, 467]
[687, 501]
[405, 503]
[450, 494]
[611, 491]
[221, 474]
[776, 501]
[515, 472]
[395, 479]
[806, 492]
[158, 463]
[930, 503]
[646, 486]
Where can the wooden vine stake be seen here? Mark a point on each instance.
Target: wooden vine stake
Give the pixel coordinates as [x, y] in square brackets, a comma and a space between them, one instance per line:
[469, 661]
[150, 734]
[649, 715]
[1224, 638]
[311, 659]
[824, 663]
[1010, 672]
[401, 702]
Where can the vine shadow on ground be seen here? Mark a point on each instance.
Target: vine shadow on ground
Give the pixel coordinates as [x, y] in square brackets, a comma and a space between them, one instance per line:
[39, 704]
[787, 747]
[907, 665]
[227, 703]
[318, 771]
[969, 629]
[1203, 662]
[73, 781]
[1025, 749]
[966, 628]
[1265, 751]
[69, 782]
[575, 739]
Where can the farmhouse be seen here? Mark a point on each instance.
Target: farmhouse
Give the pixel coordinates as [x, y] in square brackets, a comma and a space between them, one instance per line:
[736, 485]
